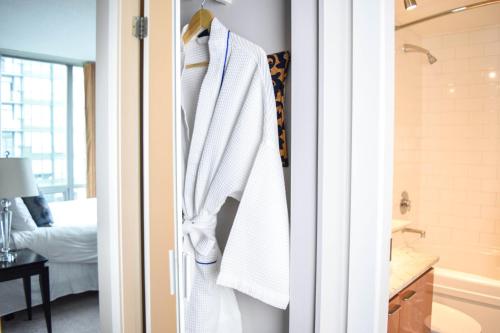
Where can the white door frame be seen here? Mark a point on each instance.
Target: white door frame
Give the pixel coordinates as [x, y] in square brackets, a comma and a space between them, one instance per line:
[107, 161]
[355, 145]
[304, 164]
[334, 164]
[118, 167]
[371, 164]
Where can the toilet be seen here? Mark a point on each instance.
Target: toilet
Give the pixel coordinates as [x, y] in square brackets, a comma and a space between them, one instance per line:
[446, 319]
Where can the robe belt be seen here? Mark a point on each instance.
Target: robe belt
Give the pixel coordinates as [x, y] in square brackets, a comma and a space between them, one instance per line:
[201, 231]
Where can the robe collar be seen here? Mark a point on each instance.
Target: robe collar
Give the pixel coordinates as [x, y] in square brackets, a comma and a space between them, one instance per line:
[210, 91]
[216, 39]
[218, 35]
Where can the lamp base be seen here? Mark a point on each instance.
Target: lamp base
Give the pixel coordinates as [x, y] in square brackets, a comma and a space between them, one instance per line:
[8, 256]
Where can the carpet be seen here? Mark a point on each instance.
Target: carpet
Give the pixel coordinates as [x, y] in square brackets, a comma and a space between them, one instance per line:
[70, 314]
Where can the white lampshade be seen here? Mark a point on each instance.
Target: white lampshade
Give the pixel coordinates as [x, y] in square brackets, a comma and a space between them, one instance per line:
[16, 178]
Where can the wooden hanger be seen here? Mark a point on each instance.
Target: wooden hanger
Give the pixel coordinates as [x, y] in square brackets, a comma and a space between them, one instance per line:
[201, 19]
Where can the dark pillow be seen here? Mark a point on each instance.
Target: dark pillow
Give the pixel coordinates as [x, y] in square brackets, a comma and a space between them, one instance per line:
[39, 210]
[278, 64]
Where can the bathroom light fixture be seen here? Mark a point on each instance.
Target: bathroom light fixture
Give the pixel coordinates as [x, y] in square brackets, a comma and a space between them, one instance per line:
[456, 10]
[410, 4]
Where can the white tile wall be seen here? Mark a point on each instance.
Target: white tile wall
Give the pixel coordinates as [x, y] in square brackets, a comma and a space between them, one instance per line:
[408, 123]
[447, 144]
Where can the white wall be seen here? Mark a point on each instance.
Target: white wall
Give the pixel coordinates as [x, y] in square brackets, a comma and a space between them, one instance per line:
[408, 124]
[448, 136]
[266, 23]
[57, 28]
[460, 185]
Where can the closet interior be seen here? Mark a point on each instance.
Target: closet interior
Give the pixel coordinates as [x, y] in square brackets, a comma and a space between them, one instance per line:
[268, 25]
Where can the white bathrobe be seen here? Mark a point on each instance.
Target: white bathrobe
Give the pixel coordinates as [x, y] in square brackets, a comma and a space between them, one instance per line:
[231, 150]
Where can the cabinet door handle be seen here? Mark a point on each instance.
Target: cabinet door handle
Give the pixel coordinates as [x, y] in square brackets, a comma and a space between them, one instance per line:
[408, 295]
[393, 309]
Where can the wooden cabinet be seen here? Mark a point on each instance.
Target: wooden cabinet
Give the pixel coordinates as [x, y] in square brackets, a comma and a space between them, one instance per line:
[394, 313]
[411, 308]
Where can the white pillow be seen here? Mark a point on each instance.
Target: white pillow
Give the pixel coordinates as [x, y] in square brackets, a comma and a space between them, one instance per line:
[21, 217]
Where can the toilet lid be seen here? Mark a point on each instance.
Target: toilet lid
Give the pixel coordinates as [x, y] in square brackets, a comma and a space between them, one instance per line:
[449, 320]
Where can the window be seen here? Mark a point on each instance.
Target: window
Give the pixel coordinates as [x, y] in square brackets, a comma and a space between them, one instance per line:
[42, 117]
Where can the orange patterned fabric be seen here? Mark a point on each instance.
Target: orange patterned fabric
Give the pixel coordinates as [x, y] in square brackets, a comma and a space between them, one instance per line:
[278, 64]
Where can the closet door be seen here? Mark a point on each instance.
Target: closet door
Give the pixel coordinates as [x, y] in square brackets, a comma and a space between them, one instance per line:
[158, 166]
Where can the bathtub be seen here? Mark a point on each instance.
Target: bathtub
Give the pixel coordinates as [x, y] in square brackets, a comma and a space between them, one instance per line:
[468, 279]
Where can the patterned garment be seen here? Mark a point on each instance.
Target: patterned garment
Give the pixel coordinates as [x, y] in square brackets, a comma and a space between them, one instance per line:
[278, 64]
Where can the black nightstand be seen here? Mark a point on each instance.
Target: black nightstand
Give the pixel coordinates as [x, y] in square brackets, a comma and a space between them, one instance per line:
[29, 263]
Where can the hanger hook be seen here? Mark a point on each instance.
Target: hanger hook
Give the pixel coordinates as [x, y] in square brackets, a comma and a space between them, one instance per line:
[203, 3]
[7, 154]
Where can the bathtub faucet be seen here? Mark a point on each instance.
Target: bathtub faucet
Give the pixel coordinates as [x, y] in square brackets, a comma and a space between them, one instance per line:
[415, 231]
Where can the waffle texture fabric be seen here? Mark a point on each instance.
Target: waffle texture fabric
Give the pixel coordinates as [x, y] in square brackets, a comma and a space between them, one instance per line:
[231, 150]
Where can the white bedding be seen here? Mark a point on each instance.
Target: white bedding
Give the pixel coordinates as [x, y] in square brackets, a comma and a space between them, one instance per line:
[71, 239]
[60, 244]
[70, 245]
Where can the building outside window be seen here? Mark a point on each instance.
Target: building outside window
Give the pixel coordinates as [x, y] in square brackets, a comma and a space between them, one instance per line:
[42, 117]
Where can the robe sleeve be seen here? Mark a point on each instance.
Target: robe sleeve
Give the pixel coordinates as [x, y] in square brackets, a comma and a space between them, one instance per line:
[256, 257]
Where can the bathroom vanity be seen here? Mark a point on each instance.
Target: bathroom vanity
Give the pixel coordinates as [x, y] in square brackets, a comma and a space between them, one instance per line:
[410, 310]
[410, 291]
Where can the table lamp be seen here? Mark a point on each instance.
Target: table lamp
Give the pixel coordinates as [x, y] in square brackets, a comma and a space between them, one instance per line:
[16, 180]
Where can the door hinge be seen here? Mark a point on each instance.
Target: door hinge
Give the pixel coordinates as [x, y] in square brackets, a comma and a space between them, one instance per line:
[140, 27]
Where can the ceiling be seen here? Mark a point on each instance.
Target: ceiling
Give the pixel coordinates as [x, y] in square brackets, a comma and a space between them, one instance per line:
[462, 21]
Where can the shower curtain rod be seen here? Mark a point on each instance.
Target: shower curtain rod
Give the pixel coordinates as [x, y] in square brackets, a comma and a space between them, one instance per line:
[448, 12]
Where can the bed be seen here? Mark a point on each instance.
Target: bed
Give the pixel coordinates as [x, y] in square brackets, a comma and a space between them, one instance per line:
[70, 245]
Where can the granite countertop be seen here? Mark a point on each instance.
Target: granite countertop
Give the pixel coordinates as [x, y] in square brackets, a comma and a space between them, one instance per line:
[406, 266]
